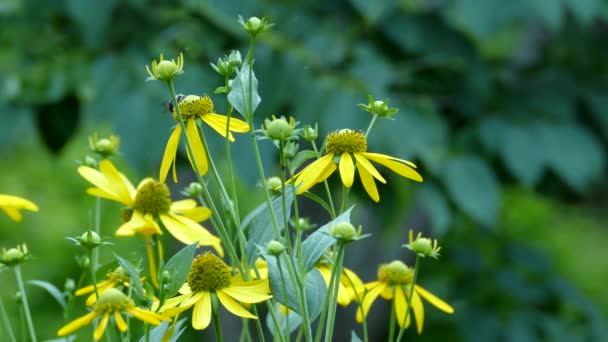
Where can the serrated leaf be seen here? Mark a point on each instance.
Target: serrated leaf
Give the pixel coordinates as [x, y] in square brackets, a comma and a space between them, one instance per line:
[317, 243]
[473, 187]
[260, 227]
[134, 277]
[51, 289]
[178, 267]
[242, 87]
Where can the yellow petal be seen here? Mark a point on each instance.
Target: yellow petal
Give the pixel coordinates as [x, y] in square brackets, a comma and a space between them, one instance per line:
[388, 161]
[374, 290]
[233, 306]
[189, 209]
[238, 126]
[315, 172]
[120, 322]
[252, 291]
[17, 203]
[218, 123]
[118, 183]
[183, 204]
[77, 324]
[145, 315]
[431, 298]
[101, 327]
[418, 310]
[169, 155]
[347, 169]
[362, 162]
[400, 305]
[368, 183]
[13, 213]
[189, 232]
[198, 149]
[201, 315]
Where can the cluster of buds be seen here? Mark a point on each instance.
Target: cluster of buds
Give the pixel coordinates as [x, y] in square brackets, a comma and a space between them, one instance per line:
[227, 65]
[14, 256]
[379, 108]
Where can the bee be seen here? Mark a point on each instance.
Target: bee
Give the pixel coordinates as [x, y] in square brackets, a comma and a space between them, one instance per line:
[170, 105]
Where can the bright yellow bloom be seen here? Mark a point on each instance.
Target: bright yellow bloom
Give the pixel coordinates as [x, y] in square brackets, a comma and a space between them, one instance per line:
[394, 283]
[115, 278]
[193, 107]
[149, 202]
[12, 204]
[210, 276]
[111, 303]
[349, 281]
[348, 149]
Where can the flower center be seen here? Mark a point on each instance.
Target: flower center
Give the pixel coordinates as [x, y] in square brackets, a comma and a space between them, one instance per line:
[346, 140]
[193, 106]
[395, 273]
[208, 273]
[153, 197]
[112, 300]
[118, 275]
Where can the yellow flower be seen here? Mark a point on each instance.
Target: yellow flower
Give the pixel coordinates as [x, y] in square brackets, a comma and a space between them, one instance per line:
[347, 149]
[193, 107]
[12, 204]
[394, 283]
[210, 276]
[151, 201]
[115, 278]
[349, 281]
[111, 303]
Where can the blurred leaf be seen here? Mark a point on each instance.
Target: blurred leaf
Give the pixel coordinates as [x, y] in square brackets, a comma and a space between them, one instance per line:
[563, 146]
[473, 187]
[438, 210]
[134, 277]
[241, 89]
[524, 162]
[92, 17]
[51, 289]
[291, 319]
[178, 267]
[584, 10]
[317, 243]
[598, 106]
[260, 226]
[175, 330]
[300, 158]
[354, 337]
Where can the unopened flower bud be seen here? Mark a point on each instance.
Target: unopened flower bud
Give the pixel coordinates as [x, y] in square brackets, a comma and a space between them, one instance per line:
[166, 277]
[90, 239]
[291, 149]
[195, 189]
[343, 231]
[255, 25]
[379, 108]
[235, 58]
[166, 70]
[273, 183]
[310, 133]
[274, 247]
[279, 129]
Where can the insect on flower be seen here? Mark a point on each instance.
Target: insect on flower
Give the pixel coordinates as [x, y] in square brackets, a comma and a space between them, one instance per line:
[169, 104]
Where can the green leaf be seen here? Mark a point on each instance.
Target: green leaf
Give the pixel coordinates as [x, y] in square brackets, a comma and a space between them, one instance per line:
[51, 289]
[318, 242]
[176, 330]
[92, 17]
[134, 277]
[473, 187]
[354, 337]
[261, 228]
[524, 162]
[239, 94]
[300, 158]
[291, 320]
[315, 288]
[178, 267]
[437, 208]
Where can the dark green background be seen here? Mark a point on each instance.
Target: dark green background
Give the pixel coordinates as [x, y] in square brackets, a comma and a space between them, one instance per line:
[503, 105]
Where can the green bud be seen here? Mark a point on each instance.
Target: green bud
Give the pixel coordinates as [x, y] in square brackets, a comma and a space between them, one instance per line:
[379, 108]
[166, 277]
[343, 231]
[291, 149]
[278, 129]
[195, 189]
[234, 59]
[304, 224]
[273, 183]
[165, 70]
[275, 247]
[310, 133]
[255, 25]
[90, 239]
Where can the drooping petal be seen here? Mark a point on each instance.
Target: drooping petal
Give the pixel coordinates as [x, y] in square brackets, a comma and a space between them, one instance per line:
[201, 315]
[120, 322]
[145, 315]
[123, 187]
[169, 155]
[189, 232]
[233, 306]
[198, 149]
[374, 289]
[315, 172]
[431, 298]
[362, 162]
[77, 324]
[353, 283]
[101, 327]
[368, 182]
[110, 183]
[252, 291]
[400, 305]
[12, 204]
[418, 310]
[189, 209]
[399, 167]
[347, 169]
[218, 123]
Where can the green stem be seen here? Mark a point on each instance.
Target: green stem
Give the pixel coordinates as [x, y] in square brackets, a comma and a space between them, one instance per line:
[95, 259]
[216, 322]
[327, 191]
[409, 298]
[391, 328]
[258, 325]
[93, 276]
[147, 332]
[26, 308]
[284, 199]
[336, 274]
[284, 288]
[301, 299]
[359, 301]
[6, 321]
[371, 124]
[344, 204]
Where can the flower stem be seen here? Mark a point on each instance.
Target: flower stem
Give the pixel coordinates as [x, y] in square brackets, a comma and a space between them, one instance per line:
[217, 325]
[95, 258]
[284, 288]
[409, 298]
[327, 191]
[371, 124]
[391, 333]
[359, 301]
[6, 322]
[26, 308]
[336, 274]
[93, 276]
[344, 204]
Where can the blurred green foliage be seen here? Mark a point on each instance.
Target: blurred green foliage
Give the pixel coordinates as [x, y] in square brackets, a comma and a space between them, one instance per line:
[504, 107]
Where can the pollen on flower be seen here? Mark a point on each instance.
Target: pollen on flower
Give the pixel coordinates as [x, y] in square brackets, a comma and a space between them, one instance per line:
[113, 300]
[193, 106]
[395, 273]
[208, 273]
[153, 197]
[346, 140]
